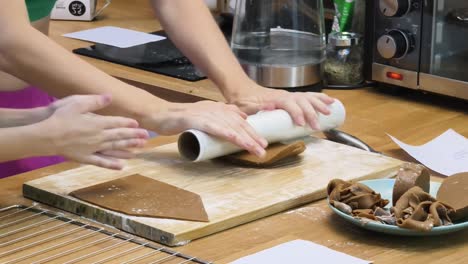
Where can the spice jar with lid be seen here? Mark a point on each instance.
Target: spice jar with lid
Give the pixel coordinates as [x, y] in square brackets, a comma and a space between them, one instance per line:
[344, 61]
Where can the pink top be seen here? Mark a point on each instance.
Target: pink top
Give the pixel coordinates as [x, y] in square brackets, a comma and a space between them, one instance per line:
[27, 98]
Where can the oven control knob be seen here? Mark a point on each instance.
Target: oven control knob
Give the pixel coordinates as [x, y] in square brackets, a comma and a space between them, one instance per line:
[393, 45]
[394, 8]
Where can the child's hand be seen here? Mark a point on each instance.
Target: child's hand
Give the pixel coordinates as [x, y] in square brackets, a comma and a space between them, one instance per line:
[73, 131]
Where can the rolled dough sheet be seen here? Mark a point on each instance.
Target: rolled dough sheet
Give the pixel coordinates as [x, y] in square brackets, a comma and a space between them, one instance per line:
[142, 196]
[274, 153]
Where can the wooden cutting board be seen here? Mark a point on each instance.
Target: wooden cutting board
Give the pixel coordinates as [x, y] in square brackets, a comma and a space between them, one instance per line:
[231, 195]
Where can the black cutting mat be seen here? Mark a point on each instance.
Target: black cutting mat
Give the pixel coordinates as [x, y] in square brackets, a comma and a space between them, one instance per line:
[159, 57]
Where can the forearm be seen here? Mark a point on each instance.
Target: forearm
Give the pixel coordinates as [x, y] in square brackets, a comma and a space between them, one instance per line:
[61, 73]
[21, 117]
[202, 42]
[11, 83]
[21, 142]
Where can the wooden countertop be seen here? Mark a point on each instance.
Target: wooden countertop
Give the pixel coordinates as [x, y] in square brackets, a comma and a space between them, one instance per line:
[411, 116]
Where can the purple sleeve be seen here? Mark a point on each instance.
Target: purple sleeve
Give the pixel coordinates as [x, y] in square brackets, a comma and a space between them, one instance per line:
[27, 98]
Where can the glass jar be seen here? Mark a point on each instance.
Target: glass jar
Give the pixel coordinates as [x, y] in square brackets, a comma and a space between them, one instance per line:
[344, 59]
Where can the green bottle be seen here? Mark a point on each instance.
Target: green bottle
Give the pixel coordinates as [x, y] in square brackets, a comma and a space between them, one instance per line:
[344, 15]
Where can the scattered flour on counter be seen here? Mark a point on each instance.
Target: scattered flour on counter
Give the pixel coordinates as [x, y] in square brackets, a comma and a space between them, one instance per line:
[313, 213]
[345, 244]
[182, 243]
[135, 210]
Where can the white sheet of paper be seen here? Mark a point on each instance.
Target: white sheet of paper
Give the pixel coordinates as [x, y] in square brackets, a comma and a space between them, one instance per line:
[299, 252]
[446, 154]
[114, 36]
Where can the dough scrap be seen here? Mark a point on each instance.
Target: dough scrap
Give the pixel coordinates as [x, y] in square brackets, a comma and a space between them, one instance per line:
[356, 195]
[142, 196]
[418, 210]
[274, 153]
[415, 209]
[454, 192]
[410, 175]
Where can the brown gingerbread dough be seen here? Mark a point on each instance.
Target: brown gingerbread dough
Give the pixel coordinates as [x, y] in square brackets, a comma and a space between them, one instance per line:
[410, 175]
[418, 210]
[415, 209]
[142, 196]
[454, 192]
[357, 195]
[274, 153]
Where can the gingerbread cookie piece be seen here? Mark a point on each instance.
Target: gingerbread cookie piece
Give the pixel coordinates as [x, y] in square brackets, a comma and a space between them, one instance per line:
[274, 153]
[409, 176]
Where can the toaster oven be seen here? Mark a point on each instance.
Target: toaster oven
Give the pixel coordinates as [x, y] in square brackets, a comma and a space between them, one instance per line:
[419, 44]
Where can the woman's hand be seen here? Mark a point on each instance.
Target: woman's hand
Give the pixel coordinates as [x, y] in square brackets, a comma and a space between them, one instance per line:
[302, 106]
[215, 118]
[73, 131]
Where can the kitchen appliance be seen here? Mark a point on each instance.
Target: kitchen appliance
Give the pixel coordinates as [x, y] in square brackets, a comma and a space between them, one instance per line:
[280, 43]
[419, 44]
[84, 10]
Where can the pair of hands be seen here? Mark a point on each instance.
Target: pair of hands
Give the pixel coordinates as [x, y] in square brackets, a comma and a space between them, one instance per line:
[70, 129]
[227, 121]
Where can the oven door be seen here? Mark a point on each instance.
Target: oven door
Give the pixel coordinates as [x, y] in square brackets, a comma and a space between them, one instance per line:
[444, 49]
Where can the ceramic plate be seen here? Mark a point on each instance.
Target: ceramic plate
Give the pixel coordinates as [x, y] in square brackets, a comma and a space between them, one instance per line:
[385, 188]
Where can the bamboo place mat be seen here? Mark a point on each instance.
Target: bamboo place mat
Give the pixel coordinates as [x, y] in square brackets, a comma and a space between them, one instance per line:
[35, 235]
